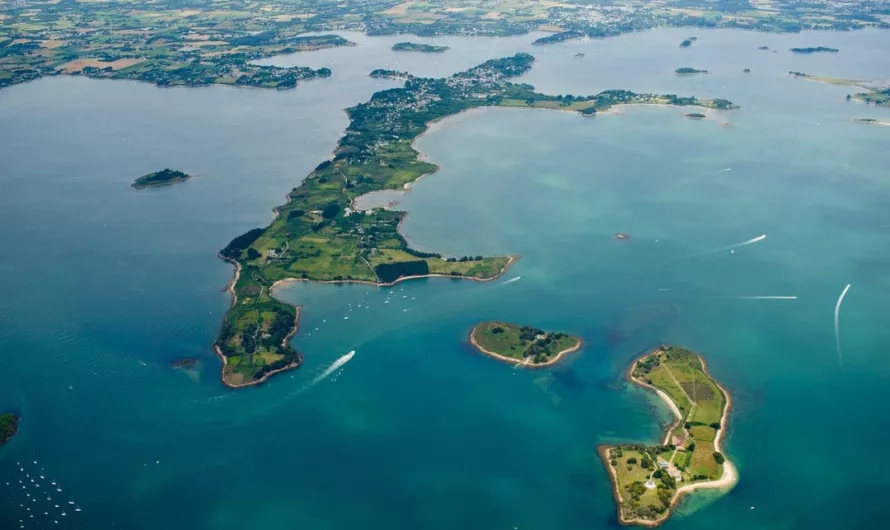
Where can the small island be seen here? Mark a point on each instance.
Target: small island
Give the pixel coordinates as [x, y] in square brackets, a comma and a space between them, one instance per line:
[689, 71]
[383, 73]
[418, 47]
[871, 121]
[818, 49]
[695, 116]
[9, 425]
[649, 480]
[763, 48]
[688, 42]
[164, 177]
[522, 345]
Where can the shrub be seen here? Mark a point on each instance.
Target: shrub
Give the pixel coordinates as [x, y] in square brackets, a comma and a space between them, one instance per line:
[331, 210]
[719, 458]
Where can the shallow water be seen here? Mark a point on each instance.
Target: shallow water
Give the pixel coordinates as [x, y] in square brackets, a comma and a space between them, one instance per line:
[103, 286]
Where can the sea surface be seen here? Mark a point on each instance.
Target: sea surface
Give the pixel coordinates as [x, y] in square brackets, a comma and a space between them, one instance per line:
[102, 287]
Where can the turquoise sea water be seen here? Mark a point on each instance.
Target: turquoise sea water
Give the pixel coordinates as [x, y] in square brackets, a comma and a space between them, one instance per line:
[102, 287]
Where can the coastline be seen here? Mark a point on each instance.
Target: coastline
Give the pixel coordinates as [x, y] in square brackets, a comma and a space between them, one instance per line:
[431, 126]
[510, 360]
[510, 260]
[726, 481]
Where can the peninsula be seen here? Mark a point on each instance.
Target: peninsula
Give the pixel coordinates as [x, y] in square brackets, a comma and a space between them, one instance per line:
[418, 47]
[9, 425]
[522, 345]
[818, 49]
[318, 235]
[877, 92]
[164, 177]
[689, 71]
[649, 480]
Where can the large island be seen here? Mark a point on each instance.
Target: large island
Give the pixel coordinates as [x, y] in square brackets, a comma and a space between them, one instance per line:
[319, 236]
[9, 425]
[649, 480]
[524, 346]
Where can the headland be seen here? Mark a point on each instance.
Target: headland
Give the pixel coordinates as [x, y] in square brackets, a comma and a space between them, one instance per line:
[9, 426]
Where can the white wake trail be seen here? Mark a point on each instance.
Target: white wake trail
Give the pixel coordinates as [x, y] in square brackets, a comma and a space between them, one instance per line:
[512, 280]
[751, 241]
[330, 369]
[837, 326]
[764, 297]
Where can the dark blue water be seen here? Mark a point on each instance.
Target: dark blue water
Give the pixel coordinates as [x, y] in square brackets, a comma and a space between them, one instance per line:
[103, 286]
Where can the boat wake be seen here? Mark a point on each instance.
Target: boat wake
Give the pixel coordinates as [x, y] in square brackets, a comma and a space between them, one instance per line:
[512, 280]
[336, 365]
[837, 326]
[763, 297]
[730, 248]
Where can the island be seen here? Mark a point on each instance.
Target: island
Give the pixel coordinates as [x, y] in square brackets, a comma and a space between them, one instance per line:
[877, 92]
[382, 73]
[418, 47]
[763, 48]
[695, 116]
[649, 480]
[185, 363]
[523, 346]
[689, 71]
[818, 49]
[9, 426]
[688, 42]
[319, 236]
[164, 177]
[872, 121]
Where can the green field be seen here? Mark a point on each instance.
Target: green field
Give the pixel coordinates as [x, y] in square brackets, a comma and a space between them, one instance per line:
[522, 343]
[648, 476]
